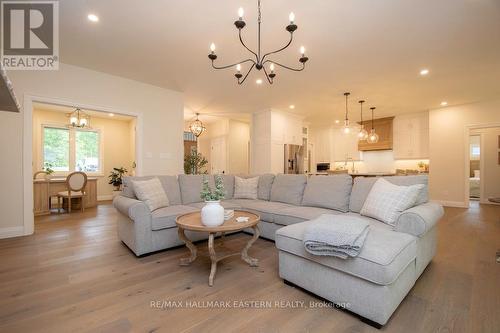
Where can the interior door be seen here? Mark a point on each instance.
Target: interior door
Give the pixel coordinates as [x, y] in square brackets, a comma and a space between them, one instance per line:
[218, 156]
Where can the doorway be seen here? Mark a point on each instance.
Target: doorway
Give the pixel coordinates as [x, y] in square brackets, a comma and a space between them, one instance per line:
[484, 165]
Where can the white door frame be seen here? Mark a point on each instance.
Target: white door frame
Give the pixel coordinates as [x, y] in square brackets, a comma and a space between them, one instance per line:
[467, 134]
[28, 216]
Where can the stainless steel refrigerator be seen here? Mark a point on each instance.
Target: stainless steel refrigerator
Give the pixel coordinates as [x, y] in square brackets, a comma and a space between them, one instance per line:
[294, 159]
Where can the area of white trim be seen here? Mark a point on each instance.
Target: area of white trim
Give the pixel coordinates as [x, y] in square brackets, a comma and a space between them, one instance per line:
[11, 232]
[105, 197]
[27, 109]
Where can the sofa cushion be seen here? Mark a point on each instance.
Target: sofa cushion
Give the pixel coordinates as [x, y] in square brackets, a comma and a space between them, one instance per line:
[169, 183]
[384, 255]
[328, 192]
[266, 209]
[387, 201]
[245, 188]
[228, 181]
[363, 185]
[288, 189]
[164, 218]
[190, 186]
[297, 214]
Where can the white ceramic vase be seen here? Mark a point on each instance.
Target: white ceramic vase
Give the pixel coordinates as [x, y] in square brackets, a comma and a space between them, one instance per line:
[212, 214]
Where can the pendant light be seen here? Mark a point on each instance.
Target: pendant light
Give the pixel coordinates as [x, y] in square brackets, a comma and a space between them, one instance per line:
[346, 129]
[197, 127]
[372, 137]
[363, 134]
[78, 119]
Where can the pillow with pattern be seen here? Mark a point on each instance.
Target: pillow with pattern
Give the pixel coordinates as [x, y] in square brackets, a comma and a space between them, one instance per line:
[387, 201]
[245, 188]
[151, 192]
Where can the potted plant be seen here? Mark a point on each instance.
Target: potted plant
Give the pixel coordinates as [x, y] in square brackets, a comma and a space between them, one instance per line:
[116, 179]
[212, 214]
[194, 163]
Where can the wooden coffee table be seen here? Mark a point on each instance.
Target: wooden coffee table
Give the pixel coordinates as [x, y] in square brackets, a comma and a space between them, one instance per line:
[192, 222]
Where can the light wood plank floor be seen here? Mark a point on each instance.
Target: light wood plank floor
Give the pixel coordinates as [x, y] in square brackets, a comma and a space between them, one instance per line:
[74, 275]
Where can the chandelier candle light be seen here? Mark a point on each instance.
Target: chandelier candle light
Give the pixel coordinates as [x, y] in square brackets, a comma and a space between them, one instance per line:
[372, 137]
[363, 134]
[260, 60]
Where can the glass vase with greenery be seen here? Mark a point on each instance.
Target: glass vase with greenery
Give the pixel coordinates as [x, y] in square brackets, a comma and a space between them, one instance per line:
[215, 194]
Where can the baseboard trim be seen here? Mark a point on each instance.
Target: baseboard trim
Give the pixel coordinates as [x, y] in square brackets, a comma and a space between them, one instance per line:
[458, 204]
[11, 232]
[105, 197]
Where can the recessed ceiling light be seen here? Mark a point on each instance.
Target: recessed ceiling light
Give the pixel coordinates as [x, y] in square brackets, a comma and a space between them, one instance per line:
[111, 114]
[337, 121]
[444, 103]
[258, 81]
[292, 106]
[424, 71]
[93, 18]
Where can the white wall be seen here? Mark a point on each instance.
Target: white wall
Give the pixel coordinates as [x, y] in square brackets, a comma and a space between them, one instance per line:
[162, 116]
[449, 148]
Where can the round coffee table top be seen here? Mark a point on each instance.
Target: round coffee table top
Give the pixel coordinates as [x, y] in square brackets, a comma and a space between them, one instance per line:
[192, 221]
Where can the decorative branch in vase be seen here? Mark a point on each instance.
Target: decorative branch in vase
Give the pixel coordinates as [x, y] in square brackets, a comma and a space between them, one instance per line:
[212, 214]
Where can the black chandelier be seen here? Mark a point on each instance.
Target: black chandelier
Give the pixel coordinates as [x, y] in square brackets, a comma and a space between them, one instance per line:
[260, 61]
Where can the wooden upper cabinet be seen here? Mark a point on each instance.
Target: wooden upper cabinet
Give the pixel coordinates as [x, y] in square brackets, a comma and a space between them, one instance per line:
[383, 127]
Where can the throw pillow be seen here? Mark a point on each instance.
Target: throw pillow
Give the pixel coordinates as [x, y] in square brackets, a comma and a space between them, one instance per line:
[245, 188]
[387, 201]
[151, 193]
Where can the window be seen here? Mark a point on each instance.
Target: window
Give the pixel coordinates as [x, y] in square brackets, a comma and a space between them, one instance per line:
[73, 149]
[56, 148]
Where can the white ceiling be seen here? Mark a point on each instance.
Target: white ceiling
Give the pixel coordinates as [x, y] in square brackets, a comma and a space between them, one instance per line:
[374, 49]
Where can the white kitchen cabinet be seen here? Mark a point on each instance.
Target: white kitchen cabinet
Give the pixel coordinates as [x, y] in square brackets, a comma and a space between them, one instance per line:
[411, 136]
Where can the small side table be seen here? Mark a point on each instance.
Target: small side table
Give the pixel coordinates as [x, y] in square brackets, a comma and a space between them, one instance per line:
[192, 222]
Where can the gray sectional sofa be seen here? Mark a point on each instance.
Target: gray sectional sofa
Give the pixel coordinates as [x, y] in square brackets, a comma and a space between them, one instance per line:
[372, 285]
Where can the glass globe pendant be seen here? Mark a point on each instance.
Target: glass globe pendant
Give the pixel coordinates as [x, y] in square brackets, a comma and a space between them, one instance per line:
[363, 133]
[346, 129]
[373, 136]
[196, 127]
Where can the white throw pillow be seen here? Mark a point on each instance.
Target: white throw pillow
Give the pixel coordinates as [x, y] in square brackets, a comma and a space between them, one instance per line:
[245, 188]
[387, 201]
[151, 192]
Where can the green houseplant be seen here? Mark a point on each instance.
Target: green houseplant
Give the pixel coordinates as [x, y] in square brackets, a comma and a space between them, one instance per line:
[195, 163]
[47, 167]
[212, 214]
[116, 177]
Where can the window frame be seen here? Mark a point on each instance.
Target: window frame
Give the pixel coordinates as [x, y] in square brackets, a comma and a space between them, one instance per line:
[72, 149]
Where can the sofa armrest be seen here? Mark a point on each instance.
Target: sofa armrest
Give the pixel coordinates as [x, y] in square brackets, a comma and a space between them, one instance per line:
[418, 220]
[132, 208]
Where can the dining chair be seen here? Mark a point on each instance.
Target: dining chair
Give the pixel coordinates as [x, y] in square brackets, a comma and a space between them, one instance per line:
[75, 184]
[43, 174]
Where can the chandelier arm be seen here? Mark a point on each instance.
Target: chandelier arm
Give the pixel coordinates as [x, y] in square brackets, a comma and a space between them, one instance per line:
[267, 76]
[245, 77]
[286, 67]
[281, 49]
[246, 47]
[232, 65]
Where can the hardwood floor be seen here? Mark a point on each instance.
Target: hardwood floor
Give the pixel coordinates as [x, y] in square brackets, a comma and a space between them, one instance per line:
[74, 275]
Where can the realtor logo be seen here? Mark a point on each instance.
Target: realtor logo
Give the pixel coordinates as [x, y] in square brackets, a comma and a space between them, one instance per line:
[30, 35]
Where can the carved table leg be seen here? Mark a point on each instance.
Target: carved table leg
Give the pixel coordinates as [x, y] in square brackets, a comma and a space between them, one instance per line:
[190, 246]
[213, 259]
[244, 253]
